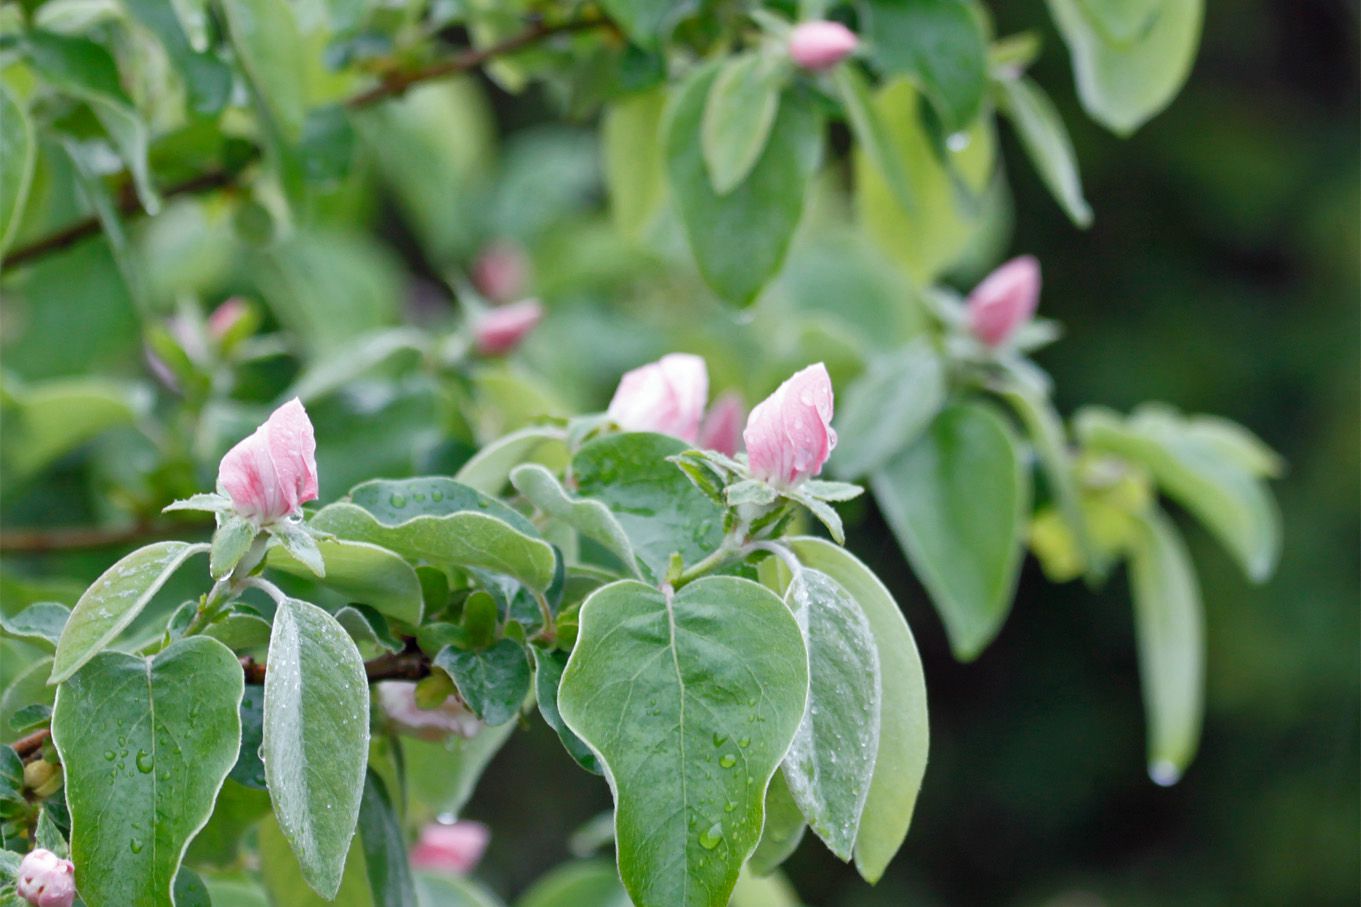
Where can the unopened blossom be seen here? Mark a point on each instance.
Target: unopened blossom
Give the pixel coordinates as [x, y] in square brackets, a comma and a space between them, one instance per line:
[817, 46]
[500, 330]
[1005, 301]
[789, 434]
[398, 699]
[501, 271]
[272, 473]
[666, 396]
[227, 316]
[46, 880]
[453, 848]
[721, 429]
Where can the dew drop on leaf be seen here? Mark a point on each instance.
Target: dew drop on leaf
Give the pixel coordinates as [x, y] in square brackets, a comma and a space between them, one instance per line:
[728, 760]
[397, 501]
[136, 845]
[710, 838]
[720, 739]
[145, 763]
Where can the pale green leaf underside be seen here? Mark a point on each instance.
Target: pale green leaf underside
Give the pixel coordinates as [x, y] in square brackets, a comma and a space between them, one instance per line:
[364, 573]
[591, 518]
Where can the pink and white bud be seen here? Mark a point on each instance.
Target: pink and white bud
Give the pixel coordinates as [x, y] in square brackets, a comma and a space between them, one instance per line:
[500, 330]
[789, 434]
[227, 316]
[46, 880]
[456, 848]
[721, 429]
[272, 473]
[1005, 300]
[398, 699]
[817, 46]
[501, 271]
[666, 396]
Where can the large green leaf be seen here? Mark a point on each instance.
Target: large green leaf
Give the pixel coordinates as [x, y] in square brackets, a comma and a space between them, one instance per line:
[548, 668]
[489, 469]
[17, 154]
[207, 79]
[887, 408]
[1130, 59]
[493, 681]
[588, 883]
[380, 835]
[591, 518]
[363, 573]
[44, 421]
[287, 883]
[1046, 142]
[938, 43]
[146, 743]
[114, 600]
[738, 115]
[41, 623]
[1192, 466]
[903, 730]
[1170, 629]
[316, 738]
[445, 524]
[690, 700]
[452, 891]
[957, 501]
[871, 136]
[739, 239]
[783, 831]
[659, 508]
[268, 43]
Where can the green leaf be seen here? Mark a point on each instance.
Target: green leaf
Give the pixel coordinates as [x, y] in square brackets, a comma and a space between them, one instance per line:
[380, 835]
[444, 524]
[452, 891]
[548, 668]
[1192, 468]
[316, 738]
[739, 240]
[887, 408]
[146, 743]
[591, 518]
[585, 883]
[738, 115]
[772, 890]
[1046, 141]
[1170, 630]
[301, 546]
[871, 135]
[249, 770]
[489, 469]
[45, 421]
[646, 22]
[368, 629]
[18, 151]
[40, 622]
[659, 508]
[114, 600]
[493, 681]
[48, 836]
[206, 77]
[831, 761]
[287, 882]
[783, 830]
[1130, 59]
[940, 44]
[635, 169]
[903, 730]
[957, 501]
[362, 572]
[690, 700]
[231, 541]
[268, 43]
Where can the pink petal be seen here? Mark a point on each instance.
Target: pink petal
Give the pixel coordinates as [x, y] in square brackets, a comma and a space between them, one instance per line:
[789, 434]
[501, 329]
[666, 396]
[722, 426]
[1005, 300]
[817, 46]
[451, 848]
[270, 474]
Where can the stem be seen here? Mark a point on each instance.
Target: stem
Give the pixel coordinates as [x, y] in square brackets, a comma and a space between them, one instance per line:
[40, 541]
[392, 85]
[716, 558]
[393, 666]
[32, 744]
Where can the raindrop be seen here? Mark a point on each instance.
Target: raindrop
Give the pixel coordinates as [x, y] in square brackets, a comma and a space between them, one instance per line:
[397, 500]
[712, 837]
[729, 806]
[136, 845]
[720, 739]
[728, 761]
[110, 755]
[436, 495]
[957, 142]
[1164, 773]
[145, 762]
[744, 742]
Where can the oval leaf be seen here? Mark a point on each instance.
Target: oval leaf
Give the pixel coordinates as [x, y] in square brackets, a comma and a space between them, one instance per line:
[493, 681]
[887, 408]
[1047, 144]
[738, 114]
[940, 44]
[690, 701]
[363, 573]
[591, 518]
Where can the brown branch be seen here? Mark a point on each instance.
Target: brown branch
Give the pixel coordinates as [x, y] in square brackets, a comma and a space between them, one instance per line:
[39, 541]
[392, 85]
[410, 665]
[32, 744]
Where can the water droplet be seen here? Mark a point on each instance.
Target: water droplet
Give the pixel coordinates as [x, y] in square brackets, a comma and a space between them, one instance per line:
[720, 739]
[136, 845]
[729, 806]
[711, 838]
[110, 755]
[728, 761]
[436, 495]
[1164, 773]
[957, 142]
[145, 762]
[397, 500]
[744, 742]
[417, 497]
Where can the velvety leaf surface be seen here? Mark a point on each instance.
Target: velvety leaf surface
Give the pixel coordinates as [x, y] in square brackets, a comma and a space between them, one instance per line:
[591, 518]
[690, 701]
[363, 573]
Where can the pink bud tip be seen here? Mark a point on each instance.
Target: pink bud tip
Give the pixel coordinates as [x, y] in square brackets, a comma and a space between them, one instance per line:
[817, 46]
[398, 699]
[666, 396]
[722, 426]
[226, 316]
[1005, 300]
[500, 330]
[46, 880]
[789, 434]
[501, 271]
[454, 848]
[272, 473]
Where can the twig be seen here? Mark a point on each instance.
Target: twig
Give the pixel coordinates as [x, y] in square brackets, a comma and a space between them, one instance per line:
[392, 85]
[412, 665]
[39, 541]
[30, 745]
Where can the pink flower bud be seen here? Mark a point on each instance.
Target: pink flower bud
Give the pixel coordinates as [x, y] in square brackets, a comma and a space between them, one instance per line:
[817, 46]
[398, 699]
[1005, 300]
[722, 426]
[666, 396]
[46, 880]
[501, 271]
[789, 434]
[226, 316]
[450, 848]
[271, 474]
[500, 330]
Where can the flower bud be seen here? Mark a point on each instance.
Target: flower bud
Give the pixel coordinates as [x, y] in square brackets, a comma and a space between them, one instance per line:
[817, 46]
[450, 848]
[226, 317]
[398, 699]
[500, 330]
[42, 777]
[272, 473]
[666, 396]
[722, 426]
[1005, 300]
[46, 880]
[789, 434]
[501, 271]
